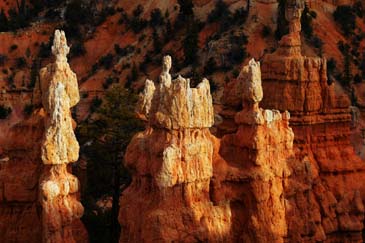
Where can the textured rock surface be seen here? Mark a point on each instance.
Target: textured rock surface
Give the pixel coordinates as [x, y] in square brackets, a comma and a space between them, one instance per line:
[29, 211]
[324, 194]
[57, 188]
[189, 186]
[172, 165]
[20, 166]
[256, 163]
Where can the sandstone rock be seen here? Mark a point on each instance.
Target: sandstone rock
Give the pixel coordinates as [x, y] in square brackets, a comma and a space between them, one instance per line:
[172, 168]
[326, 171]
[57, 187]
[59, 93]
[19, 175]
[189, 186]
[257, 158]
[174, 105]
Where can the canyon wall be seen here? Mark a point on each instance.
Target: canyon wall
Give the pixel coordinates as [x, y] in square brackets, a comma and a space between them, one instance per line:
[325, 194]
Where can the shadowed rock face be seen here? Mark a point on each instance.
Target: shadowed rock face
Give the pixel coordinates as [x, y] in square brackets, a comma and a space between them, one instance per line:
[324, 194]
[58, 188]
[19, 174]
[189, 186]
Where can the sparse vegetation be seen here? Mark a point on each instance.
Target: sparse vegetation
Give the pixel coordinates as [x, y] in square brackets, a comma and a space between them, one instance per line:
[13, 47]
[77, 49]
[157, 18]
[3, 59]
[306, 22]
[34, 73]
[282, 24]
[190, 44]
[106, 61]
[95, 103]
[20, 62]
[225, 17]
[345, 16]
[28, 109]
[4, 112]
[107, 136]
[266, 31]
[210, 67]
[331, 69]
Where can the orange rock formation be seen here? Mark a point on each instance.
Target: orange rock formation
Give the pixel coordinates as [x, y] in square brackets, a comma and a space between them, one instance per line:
[57, 189]
[324, 196]
[187, 185]
[263, 187]
[172, 165]
[37, 193]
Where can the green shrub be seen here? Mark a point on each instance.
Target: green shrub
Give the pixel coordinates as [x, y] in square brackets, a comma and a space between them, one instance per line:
[28, 109]
[345, 16]
[282, 24]
[157, 18]
[266, 31]
[77, 49]
[210, 67]
[20, 62]
[106, 61]
[4, 112]
[306, 22]
[95, 103]
[3, 59]
[13, 47]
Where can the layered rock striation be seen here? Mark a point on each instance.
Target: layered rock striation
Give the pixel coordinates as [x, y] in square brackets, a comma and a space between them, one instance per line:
[20, 166]
[253, 164]
[188, 185]
[324, 194]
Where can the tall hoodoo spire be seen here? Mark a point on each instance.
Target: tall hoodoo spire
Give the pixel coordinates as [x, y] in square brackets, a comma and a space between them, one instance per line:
[57, 187]
[60, 49]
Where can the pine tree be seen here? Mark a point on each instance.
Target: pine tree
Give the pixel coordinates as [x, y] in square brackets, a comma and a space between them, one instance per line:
[4, 22]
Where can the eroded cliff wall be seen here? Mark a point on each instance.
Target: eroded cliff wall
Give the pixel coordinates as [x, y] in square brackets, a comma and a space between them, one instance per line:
[325, 193]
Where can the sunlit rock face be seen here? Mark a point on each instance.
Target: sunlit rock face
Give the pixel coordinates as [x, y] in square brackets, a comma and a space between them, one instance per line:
[58, 188]
[252, 165]
[189, 186]
[172, 165]
[37, 194]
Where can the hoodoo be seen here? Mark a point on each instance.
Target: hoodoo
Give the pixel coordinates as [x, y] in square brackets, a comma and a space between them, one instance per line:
[324, 194]
[58, 188]
[187, 186]
[172, 167]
